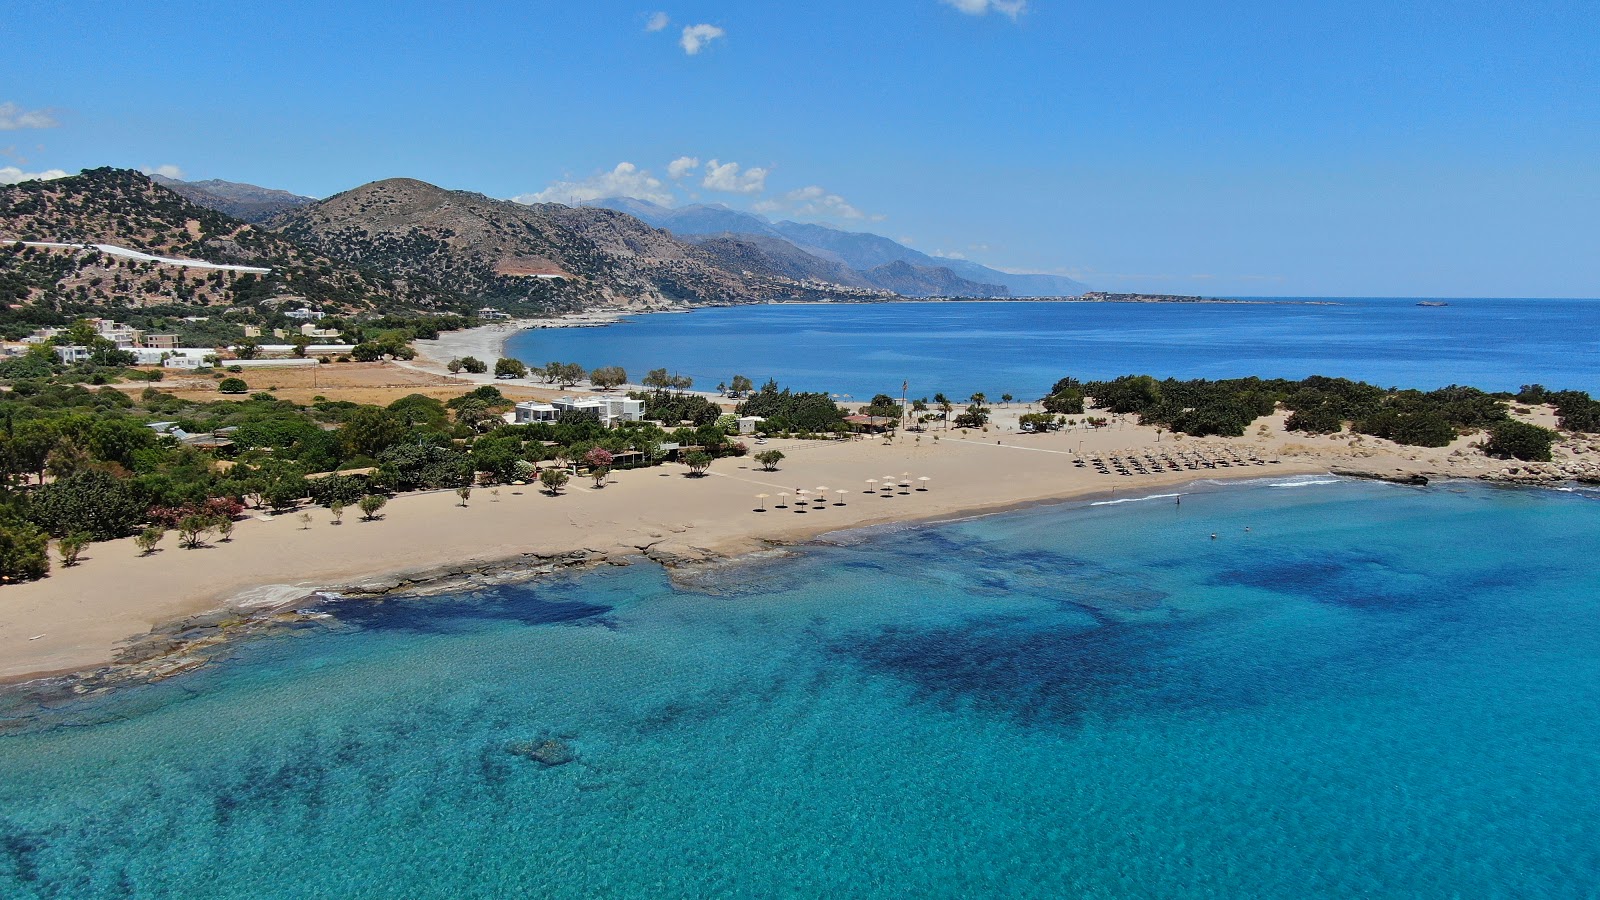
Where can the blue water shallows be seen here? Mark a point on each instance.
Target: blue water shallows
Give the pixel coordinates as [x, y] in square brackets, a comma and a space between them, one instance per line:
[1023, 348]
[1372, 691]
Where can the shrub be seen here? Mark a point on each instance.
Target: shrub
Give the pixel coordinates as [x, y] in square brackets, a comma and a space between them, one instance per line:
[233, 386]
[92, 501]
[769, 459]
[23, 551]
[1519, 440]
[192, 531]
[698, 463]
[149, 538]
[553, 480]
[71, 547]
[370, 504]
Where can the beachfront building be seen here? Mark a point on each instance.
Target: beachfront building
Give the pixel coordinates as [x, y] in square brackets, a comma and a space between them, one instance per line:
[750, 424]
[607, 410]
[490, 314]
[533, 411]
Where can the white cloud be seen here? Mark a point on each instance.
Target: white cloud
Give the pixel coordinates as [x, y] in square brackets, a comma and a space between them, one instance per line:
[626, 180]
[12, 175]
[814, 200]
[682, 166]
[697, 37]
[14, 117]
[1012, 8]
[721, 176]
[657, 22]
[948, 254]
[167, 171]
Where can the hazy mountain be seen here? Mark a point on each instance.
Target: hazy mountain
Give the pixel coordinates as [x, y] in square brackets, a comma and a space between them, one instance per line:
[128, 209]
[245, 202]
[543, 254]
[860, 251]
[698, 219]
[928, 281]
[778, 256]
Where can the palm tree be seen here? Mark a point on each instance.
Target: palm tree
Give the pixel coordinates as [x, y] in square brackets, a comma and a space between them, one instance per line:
[979, 398]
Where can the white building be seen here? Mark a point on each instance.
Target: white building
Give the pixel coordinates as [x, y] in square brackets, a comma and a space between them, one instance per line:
[533, 411]
[750, 424]
[305, 314]
[72, 353]
[608, 410]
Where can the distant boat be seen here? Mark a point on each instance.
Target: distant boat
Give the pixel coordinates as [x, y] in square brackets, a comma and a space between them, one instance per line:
[1432, 303]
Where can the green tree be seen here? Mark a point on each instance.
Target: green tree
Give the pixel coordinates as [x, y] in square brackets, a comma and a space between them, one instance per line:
[92, 501]
[233, 386]
[740, 386]
[474, 365]
[453, 365]
[553, 480]
[247, 349]
[606, 378]
[192, 531]
[769, 459]
[698, 463]
[370, 431]
[510, 368]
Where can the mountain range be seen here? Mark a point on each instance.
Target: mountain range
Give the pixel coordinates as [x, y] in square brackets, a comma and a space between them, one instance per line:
[244, 202]
[861, 251]
[401, 245]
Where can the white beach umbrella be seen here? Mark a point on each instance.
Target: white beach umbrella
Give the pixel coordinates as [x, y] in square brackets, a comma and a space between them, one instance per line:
[841, 492]
[924, 479]
[763, 499]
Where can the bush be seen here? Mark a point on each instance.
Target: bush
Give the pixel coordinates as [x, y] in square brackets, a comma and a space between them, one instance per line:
[698, 463]
[370, 504]
[553, 480]
[96, 502]
[23, 551]
[149, 538]
[474, 365]
[233, 386]
[769, 459]
[1519, 440]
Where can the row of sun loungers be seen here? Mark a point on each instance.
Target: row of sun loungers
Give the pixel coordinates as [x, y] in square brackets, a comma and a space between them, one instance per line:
[1153, 463]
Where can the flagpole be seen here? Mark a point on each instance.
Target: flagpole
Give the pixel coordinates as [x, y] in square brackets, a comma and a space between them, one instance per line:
[905, 409]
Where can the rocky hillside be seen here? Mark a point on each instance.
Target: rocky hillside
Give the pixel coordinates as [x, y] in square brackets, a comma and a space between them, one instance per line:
[245, 202]
[127, 209]
[520, 256]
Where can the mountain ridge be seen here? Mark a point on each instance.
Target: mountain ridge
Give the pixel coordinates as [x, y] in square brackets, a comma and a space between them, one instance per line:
[861, 251]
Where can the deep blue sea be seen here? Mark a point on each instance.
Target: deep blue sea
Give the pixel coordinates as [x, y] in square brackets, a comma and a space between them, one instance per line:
[1023, 348]
[1355, 690]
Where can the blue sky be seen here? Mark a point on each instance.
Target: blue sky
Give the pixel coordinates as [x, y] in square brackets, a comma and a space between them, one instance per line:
[1257, 148]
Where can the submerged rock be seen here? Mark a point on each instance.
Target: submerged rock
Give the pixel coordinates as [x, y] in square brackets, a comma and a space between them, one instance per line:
[548, 753]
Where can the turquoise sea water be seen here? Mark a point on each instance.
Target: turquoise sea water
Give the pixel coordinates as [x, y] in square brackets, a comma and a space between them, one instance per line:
[1373, 691]
[1023, 348]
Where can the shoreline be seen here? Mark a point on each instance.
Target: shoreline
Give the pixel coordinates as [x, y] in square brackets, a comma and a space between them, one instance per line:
[181, 644]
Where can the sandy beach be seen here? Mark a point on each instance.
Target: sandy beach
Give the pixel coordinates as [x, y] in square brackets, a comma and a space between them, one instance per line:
[79, 618]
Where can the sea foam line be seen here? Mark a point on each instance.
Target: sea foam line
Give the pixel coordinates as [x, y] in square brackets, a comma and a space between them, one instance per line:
[1134, 499]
